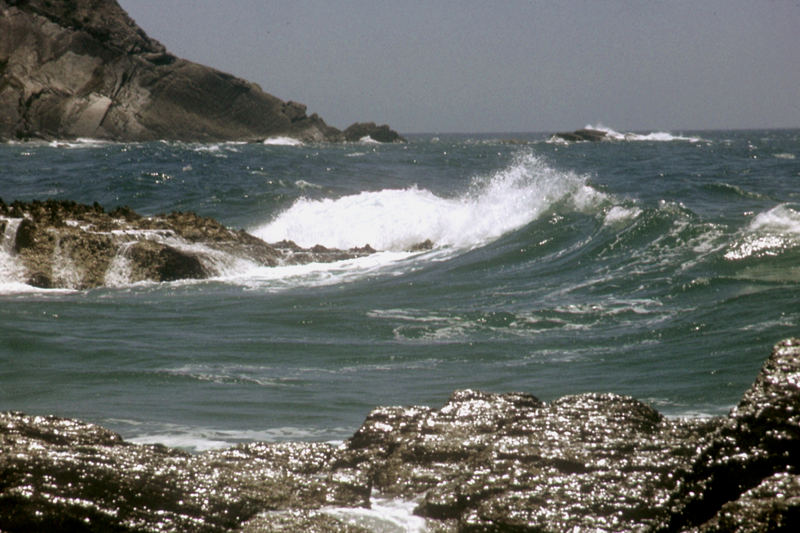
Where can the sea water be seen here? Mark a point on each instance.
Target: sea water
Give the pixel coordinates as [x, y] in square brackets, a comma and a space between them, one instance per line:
[661, 265]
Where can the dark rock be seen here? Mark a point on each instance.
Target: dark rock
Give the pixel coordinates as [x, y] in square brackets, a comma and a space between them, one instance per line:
[585, 134]
[83, 68]
[753, 453]
[70, 245]
[359, 130]
[423, 246]
[165, 263]
[25, 235]
[483, 462]
[294, 254]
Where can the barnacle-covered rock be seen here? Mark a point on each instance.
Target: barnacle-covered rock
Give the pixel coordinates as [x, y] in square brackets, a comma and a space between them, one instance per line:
[482, 462]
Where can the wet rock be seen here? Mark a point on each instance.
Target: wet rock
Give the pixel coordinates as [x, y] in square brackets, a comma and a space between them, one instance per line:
[423, 246]
[70, 245]
[756, 446]
[482, 462]
[383, 134]
[584, 134]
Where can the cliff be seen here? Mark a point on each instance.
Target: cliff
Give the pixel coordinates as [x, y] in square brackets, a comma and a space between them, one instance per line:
[83, 68]
[482, 462]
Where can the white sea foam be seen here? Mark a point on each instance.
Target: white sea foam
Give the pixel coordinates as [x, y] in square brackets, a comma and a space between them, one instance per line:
[366, 139]
[397, 219]
[81, 142]
[769, 233]
[386, 515]
[283, 141]
[320, 274]
[658, 136]
[783, 219]
[618, 214]
[303, 184]
[11, 272]
[228, 373]
[200, 439]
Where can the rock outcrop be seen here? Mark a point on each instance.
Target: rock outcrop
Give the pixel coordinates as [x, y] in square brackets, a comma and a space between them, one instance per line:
[63, 244]
[369, 130]
[482, 462]
[585, 134]
[83, 68]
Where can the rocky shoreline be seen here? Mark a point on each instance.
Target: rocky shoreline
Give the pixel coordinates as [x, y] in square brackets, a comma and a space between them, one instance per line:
[64, 244]
[482, 462]
[83, 68]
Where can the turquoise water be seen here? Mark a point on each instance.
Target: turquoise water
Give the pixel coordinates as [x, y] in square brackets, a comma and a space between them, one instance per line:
[662, 266]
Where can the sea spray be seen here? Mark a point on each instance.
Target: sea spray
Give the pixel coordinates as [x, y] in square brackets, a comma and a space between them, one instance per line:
[770, 233]
[10, 270]
[398, 219]
[656, 136]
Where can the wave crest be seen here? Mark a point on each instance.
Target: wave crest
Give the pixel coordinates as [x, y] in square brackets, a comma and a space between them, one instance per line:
[769, 234]
[398, 219]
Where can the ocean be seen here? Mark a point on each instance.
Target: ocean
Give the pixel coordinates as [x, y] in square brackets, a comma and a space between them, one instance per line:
[660, 265]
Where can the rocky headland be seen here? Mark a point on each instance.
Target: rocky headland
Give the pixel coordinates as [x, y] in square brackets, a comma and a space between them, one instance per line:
[64, 244]
[481, 462]
[83, 68]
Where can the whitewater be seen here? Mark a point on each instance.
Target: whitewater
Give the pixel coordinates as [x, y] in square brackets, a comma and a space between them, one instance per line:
[656, 264]
[398, 219]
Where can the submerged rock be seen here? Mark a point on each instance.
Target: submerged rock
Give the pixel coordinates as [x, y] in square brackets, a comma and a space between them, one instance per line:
[62, 244]
[83, 68]
[482, 462]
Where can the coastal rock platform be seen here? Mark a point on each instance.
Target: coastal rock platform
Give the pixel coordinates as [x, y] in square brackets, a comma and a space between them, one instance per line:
[481, 462]
[64, 244]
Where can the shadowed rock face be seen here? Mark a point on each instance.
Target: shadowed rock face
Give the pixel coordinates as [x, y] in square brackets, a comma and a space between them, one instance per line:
[585, 134]
[62, 244]
[83, 68]
[359, 130]
[482, 462]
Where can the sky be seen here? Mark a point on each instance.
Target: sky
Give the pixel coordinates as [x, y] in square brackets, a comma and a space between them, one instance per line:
[503, 66]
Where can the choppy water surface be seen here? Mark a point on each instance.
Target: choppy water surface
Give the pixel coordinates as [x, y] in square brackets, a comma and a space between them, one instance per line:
[661, 265]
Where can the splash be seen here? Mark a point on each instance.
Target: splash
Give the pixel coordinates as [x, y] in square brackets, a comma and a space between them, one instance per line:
[282, 141]
[384, 514]
[657, 136]
[769, 234]
[11, 272]
[80, 142]
[398, 219]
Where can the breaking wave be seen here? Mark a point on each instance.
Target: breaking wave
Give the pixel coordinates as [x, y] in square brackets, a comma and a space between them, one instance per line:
[769, 234]
[657, 136]
[283, 141]
[614, 135]
[398, 219]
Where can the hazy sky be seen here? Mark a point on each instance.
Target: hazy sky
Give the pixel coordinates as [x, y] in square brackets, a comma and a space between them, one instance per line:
[503, 66]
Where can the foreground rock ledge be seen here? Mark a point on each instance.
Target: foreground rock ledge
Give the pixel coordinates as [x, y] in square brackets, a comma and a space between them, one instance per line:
[483, 462]
[63, 244]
